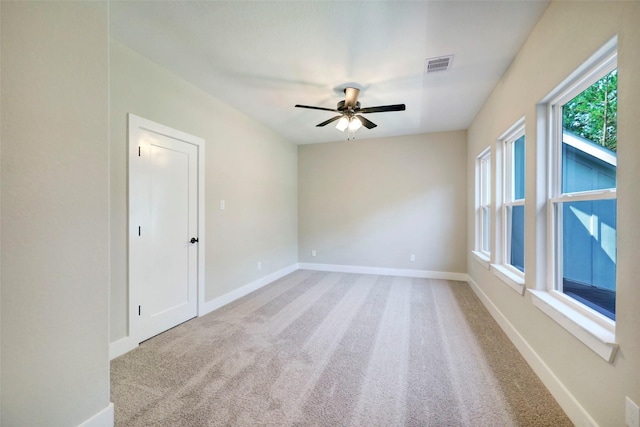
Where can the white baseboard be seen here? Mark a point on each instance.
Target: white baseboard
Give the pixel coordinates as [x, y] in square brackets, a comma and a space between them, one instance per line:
[227, 298]
[103, 418]
[423, 274]
[578, 415]
[121, 346]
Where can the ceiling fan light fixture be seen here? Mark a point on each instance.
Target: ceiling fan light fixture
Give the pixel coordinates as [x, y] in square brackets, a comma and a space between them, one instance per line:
[343, 123]
[354, 124]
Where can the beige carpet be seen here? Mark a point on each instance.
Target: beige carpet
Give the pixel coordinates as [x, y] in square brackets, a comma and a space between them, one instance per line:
[333, 349]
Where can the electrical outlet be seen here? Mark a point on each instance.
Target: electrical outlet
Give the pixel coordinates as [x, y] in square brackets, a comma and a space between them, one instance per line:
[259, 265]
[413, 257]
[313, 252]
[632, 413]
[222, 205]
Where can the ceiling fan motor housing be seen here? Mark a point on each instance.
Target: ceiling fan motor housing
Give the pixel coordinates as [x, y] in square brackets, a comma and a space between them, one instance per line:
[342, 107]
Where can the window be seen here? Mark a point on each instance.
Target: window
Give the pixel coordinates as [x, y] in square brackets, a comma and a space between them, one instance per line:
[514, 203]
[583, 193]
[513, 206]
[510, 224]
[581, 203]
[483, 206]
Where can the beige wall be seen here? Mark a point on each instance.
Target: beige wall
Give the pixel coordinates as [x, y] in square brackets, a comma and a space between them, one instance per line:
[567, 35]
[55, 223]
[375, 202]
[246, 164]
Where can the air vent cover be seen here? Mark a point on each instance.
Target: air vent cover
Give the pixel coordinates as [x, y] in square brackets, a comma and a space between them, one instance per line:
[441, 63]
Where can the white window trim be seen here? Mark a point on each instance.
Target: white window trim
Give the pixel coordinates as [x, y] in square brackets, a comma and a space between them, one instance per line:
[481, 255]
[590, 327]
[481, 258]
[508, 274]
[598, 338]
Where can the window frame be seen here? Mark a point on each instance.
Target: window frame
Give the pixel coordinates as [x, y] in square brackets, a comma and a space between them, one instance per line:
[482, 250]
[590, 327]
[557, 197]
[503, 268]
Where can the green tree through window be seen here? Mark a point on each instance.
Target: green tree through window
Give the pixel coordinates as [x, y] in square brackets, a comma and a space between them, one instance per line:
[593, 113]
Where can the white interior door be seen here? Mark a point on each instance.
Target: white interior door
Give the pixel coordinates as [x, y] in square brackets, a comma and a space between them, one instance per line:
[164, 240]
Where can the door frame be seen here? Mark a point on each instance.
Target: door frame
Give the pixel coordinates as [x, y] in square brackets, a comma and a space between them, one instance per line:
[136, 125]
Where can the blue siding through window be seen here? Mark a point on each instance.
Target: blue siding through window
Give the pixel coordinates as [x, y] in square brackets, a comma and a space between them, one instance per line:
[589, 229]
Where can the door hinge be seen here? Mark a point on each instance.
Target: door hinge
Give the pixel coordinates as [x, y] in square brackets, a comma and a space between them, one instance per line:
[139, 310]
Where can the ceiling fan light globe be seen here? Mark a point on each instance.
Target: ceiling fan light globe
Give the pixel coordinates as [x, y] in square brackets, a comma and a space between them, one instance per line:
[343, 123]
[354, 124]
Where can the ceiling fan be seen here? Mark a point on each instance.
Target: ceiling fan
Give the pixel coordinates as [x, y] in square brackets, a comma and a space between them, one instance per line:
[350, 112]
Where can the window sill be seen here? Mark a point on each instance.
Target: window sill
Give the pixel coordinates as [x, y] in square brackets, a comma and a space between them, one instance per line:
[595, 336]
[514, 280]
[481, 258]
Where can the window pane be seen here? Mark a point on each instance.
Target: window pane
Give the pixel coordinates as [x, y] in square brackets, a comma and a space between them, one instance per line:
[483, 220]
[589, 254]
[584, 169]
[486, 228]
[589, 137]
[518, 168]
[515, 218]
[486, 181]
[593, 114]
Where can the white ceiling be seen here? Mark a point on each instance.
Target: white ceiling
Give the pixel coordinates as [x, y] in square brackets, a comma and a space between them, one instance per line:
[263, 57]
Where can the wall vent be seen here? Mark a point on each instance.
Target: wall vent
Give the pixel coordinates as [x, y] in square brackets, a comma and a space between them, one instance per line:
[441, 63]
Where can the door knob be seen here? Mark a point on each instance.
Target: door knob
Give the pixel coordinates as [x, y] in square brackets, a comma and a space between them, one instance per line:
[193, 240]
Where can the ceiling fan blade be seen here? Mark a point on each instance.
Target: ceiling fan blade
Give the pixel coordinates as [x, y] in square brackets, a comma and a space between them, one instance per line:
[382, 109]
[316, 108]
[366, 122]
[351, 96]
[326, 122]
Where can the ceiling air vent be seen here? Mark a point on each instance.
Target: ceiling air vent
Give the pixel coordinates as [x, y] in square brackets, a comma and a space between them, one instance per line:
[441, 63]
